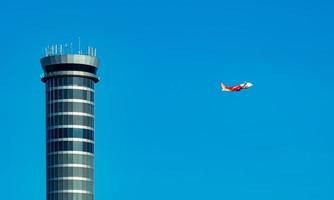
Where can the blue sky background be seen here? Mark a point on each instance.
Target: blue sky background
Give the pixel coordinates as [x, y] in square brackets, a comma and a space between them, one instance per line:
[164, 130]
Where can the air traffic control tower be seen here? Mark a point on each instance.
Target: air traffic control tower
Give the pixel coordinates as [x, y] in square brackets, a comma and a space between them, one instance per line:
[70, 80]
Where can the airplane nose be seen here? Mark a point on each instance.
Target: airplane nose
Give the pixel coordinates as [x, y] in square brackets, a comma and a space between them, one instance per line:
[250, 84]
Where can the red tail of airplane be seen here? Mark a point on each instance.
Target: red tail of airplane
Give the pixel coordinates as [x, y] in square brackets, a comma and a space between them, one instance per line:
[224, 88]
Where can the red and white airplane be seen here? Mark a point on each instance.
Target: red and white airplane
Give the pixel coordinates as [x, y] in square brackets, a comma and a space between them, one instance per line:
[236, 88]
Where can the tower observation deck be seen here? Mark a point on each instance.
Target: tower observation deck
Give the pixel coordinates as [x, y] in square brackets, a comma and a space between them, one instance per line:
[70, 80]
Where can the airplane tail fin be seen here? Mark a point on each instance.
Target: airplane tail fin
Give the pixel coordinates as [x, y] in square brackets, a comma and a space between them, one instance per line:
[223, 87]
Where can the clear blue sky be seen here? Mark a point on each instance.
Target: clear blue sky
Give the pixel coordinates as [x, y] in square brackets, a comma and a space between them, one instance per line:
[164, 130]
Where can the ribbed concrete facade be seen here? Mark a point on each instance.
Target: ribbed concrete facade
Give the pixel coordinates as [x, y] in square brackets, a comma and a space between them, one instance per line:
[70, 81]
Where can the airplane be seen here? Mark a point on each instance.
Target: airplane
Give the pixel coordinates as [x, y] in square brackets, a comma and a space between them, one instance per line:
[236, 88]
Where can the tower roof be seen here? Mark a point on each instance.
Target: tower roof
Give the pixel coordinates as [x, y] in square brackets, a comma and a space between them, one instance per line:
[70, 59]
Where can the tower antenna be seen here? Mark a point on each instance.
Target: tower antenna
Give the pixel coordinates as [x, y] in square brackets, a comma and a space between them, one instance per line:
[79, 45]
